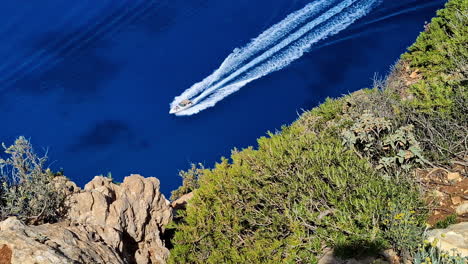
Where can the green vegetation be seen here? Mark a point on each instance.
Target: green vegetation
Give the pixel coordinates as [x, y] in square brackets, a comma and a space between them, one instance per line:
[189, 181]
[432, 80]
[440, 56]
[27, 188]
[284, 201]
[449, 220]
[340, 176]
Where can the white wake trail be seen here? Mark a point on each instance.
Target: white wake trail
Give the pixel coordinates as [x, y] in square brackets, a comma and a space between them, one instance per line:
[263, 41]
[275, 32]
[282, 54]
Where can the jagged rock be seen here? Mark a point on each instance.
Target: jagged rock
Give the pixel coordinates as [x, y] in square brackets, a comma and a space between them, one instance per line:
[52, 243]
[462, 208]
[63, 184]
[106, 223]
[182, 201]
[130, 217]
[453, 237]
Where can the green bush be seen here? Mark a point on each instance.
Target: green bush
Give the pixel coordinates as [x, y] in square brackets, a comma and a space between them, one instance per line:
[27, 188]
[283, 202]
[189, 181]
[331, 178]
[446, 222]
[440, 55]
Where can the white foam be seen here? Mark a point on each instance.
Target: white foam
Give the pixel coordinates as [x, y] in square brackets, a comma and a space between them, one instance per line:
[292, 41]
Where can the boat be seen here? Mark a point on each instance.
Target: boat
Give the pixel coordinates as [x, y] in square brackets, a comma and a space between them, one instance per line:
[182, 105]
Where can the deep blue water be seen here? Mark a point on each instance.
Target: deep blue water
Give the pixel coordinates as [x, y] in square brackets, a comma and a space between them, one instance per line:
[91, 81]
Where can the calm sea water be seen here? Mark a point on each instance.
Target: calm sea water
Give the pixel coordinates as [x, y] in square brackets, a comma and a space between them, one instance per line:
[91, 81]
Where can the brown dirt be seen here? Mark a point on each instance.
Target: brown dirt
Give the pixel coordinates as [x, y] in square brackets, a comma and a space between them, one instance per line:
[444, 194]
[402, 77]
[5, 254]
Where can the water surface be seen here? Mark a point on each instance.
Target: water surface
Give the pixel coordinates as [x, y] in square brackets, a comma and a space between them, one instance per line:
[91, 81]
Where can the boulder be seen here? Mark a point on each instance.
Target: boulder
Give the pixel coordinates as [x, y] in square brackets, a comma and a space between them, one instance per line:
[453, 237]
[182, 202]
[106, 223]
[130, 217]
[56, 243]
[462, 208]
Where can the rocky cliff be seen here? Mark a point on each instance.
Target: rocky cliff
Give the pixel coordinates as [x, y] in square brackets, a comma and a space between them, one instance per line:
[106, 223]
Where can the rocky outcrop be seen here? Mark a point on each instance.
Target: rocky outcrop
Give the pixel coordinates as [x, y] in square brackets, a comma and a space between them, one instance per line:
[106, 223]
[182, 202]
[453, 237]
[56, 243]
[130, 217]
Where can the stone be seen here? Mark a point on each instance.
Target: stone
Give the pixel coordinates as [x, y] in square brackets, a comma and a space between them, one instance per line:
[106, 223]
[456, 200]
[391, 256]
[462, 208]
[52, 243]
[130, 217]
[63, 184]
[181, 203]
[453, 237]
[453, 176]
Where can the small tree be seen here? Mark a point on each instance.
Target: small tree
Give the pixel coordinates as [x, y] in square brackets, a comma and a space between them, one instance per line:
[189, 181]
[27, 189]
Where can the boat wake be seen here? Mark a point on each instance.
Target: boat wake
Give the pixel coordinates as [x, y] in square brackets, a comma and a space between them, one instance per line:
[274, 49]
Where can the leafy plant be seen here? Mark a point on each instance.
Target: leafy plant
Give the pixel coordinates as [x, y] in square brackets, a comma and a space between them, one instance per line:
[447, 221]
[402, 227]
[440, 55]
[402, 149]
[366, 133]
[27, 188]
[283, 202]
[189, 181]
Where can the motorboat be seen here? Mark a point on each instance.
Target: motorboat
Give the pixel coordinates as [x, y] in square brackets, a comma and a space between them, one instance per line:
[182, 105]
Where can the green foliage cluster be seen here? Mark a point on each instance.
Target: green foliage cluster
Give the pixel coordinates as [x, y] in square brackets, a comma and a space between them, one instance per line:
[189, 181]
[440, 55]
[27, 188]
[402, 226]
[333, 177]
[446, 222]
[284, 202]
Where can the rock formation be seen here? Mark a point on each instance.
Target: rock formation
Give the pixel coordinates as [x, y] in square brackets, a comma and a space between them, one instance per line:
[453, 237]
[106, 223]
[53, 243]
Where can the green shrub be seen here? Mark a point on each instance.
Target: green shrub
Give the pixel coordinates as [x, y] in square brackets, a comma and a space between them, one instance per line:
[189, 181]
[283, 202]
[394, 150]
[446, 222]
[440, 55]
[323, 181]
[402, 227]
[27, 188]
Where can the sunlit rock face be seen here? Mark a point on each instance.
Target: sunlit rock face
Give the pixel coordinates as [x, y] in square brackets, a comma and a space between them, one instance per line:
[454, 237]
[106, 223]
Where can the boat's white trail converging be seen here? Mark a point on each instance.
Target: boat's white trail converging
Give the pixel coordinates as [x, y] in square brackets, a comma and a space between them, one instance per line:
[274, 49]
